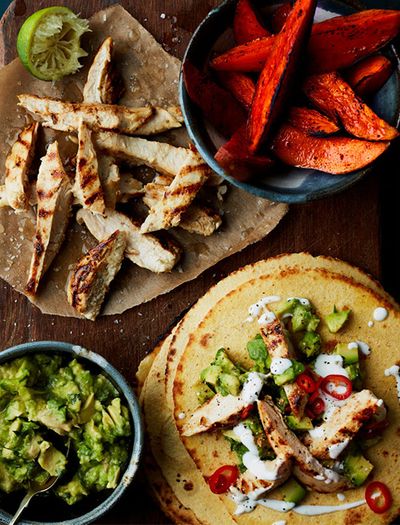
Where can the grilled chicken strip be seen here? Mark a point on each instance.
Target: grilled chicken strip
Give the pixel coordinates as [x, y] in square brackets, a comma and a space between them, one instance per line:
[17, 166]
[87, 188]
[189, 171]
[67, 116]
[110, 178]
[129, 187]
[285, 443]
[89, 282]
[217, 412]
[161, 120]
[328, 439]
[102, 86]
[147, 251]
[54, 196]
[196, 219]
[278, 346]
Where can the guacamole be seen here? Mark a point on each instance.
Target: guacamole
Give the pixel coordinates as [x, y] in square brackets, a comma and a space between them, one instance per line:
[47, 401]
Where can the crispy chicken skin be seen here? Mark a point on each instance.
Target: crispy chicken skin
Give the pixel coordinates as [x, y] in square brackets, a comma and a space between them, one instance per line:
[343, 424]
[89, 282]
[54, 200]
[285, 443]
[275, 340]
[87, 188]
[147, 251]
[18, 163]
[67, 116]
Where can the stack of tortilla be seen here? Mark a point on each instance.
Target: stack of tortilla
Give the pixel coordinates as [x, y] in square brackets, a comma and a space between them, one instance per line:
[177, 467]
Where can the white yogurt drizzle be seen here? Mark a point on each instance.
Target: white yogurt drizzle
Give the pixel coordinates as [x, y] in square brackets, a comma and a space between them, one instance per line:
[252, 387]
[340, 496]
[380, 314]
[279, 365]
[266, 318]
[364, 347]
[264, 470]
[260, 306]
[336, 449]
[248, 502]
[279, 522]
[395, 372]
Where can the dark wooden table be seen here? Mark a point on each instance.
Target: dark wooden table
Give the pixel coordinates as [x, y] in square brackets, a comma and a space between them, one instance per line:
[360, 225]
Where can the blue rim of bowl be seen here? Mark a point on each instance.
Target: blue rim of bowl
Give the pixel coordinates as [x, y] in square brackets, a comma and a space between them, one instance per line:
[192, 117]
[133, 405]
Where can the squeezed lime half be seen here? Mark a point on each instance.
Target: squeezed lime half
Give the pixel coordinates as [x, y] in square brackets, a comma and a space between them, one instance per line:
[48, 42]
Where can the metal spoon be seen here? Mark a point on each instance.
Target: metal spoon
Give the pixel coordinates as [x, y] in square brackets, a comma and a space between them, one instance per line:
[36, 488]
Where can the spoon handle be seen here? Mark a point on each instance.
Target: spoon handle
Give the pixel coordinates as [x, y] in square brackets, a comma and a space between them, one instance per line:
[24, 503]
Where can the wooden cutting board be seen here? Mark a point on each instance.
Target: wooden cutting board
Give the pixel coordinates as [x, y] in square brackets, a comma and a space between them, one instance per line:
[345, 226]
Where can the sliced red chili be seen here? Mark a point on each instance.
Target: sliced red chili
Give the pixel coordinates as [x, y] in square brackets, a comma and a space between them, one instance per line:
[374, 429]
[378, 497]
[306, 382]
[315, 407]
[223, 478]
[337, 386]
[246, 412]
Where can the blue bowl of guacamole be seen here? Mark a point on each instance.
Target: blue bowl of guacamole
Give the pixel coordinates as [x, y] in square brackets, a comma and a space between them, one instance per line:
[57, 395]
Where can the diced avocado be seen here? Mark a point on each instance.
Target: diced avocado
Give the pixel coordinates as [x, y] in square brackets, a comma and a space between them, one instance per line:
[254, 424]
[73, 491]
[310, 344]
[259, 354]
[210, 374]
[304, 319]
[356, 467]
[222, 360]
[230, 434]
[299, 424]
[290, 374]
[337, 319]
[7, 480]
[203, 393]
[286, 307]
[355, 375]
[292, 491]
[350, 355]
[51, 460]
[228, 384]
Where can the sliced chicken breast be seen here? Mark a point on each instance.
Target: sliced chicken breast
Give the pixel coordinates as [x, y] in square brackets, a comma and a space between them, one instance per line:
[54, 201]
[196, 219]
[110, 178]
[129, 188]
[278, 346]
[102, 85]
[217, 412]
[90, 280]
[332, 437]
[285, 443]
[67, 116]
[161, 120]
[247, 482]
[87, 188]
[18, 163]
[147, 251]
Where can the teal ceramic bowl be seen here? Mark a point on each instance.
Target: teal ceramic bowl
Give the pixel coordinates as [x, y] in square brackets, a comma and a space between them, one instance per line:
[47, 509]
[283, 183]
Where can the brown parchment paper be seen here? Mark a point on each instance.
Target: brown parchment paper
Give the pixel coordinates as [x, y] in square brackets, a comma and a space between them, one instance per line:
[151, 76]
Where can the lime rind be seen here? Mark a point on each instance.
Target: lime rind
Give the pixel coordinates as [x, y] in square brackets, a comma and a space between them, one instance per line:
[49, 43]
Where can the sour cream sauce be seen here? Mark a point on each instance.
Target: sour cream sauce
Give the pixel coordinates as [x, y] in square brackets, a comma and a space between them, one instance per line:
[279, 365]
[395, 372]
[257, 308]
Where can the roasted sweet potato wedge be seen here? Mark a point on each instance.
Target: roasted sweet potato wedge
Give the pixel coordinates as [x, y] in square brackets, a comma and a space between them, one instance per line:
[272, 86]
[246, 25]
[311, 122]
[369, 75]
[218, 105]
[279, 16]
[334, 44]
[240, 85]
[334, 97]
[336, 155]
[236, 159]
[341, 41]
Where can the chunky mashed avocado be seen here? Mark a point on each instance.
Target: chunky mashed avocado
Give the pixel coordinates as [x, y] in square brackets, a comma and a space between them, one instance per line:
[46, 401]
